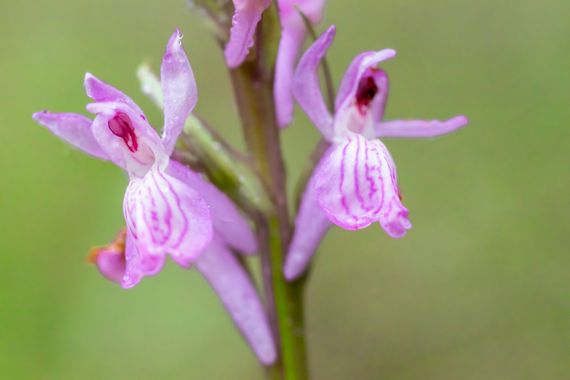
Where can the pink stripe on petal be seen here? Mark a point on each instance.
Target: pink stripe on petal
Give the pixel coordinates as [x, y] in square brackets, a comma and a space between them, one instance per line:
[356, 186]
[167, 216]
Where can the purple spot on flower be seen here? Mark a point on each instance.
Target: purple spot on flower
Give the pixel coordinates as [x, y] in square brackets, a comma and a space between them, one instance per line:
[121, 126]
[365, 93]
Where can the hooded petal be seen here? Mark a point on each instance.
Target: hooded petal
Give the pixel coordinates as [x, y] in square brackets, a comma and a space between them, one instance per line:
[311, 225]
[293, 33]
[362, 62]
[229, 224]
[244, 22]
[420, 128]
[306, 86]
[224, 273]
[178, 88]
[128, 140]
[74, 129]
[357, 186]
[101, 91]
[166, 216]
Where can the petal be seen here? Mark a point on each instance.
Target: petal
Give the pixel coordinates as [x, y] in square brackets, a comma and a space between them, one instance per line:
[139, 263]
[293, 33]
[306, 86]
[178, 88]
[357, 185]
[244, 22]
[357, 68]
[236, 291]
[420, 128]
[166, 216]
[311, 225]
[111, 265]
[229, 224]
[72, 128]
[142, 148]
[289, 46]
[101, 91]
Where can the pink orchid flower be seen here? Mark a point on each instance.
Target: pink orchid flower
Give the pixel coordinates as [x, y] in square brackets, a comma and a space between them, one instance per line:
[162, 213]
[217, 263]
[293, 34]
[355, 184]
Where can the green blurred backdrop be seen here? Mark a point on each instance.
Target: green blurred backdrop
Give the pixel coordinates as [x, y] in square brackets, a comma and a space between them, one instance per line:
[479, 289]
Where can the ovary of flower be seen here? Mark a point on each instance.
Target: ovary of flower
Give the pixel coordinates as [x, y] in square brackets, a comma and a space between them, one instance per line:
[163, 214]
[355, 183]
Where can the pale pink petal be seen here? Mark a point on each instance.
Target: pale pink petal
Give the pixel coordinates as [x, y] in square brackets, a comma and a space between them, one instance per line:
[293, 33]
[306, 86]
[74, 129]
[138, 263]
[111, 264]
[244, 23]
[229, 224]
[239, 296]
[166, 216]
[101, 91]
[357, 186]
[289, 46]
[311, 225]
[178, 89]
[420, 128]
[357, 68]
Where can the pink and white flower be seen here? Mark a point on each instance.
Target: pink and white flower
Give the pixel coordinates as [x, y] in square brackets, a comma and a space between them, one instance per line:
[163, 214]
[355, 184]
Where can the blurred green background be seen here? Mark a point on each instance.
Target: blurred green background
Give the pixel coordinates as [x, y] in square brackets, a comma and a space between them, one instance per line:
[479, 289]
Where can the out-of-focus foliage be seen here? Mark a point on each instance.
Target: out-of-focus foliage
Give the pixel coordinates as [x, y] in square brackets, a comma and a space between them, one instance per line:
[480, 288]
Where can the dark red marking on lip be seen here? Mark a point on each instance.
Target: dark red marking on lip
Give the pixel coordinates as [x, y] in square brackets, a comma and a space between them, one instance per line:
[365, 93]
[121, 126]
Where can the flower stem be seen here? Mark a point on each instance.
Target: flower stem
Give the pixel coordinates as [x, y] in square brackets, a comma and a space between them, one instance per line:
[253, 87]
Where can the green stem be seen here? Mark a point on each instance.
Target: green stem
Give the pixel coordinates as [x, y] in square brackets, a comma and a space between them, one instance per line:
[253, 86]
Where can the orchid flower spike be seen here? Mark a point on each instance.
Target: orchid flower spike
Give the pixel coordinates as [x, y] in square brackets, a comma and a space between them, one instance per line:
[247, 14]
[217, 263]
[293, 34]
[355, 184]
[163, 214]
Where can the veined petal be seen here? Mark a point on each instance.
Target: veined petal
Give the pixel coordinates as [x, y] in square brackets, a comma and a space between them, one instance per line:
[101, 91]
[420, 128]
[244, 23]
[357, 185]
[74, 129]
[229, 224]
[139, 263]
[179, 90]
[306, 87]
[224, 273]
[311, 225]
[166, 216]
[357, 68]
